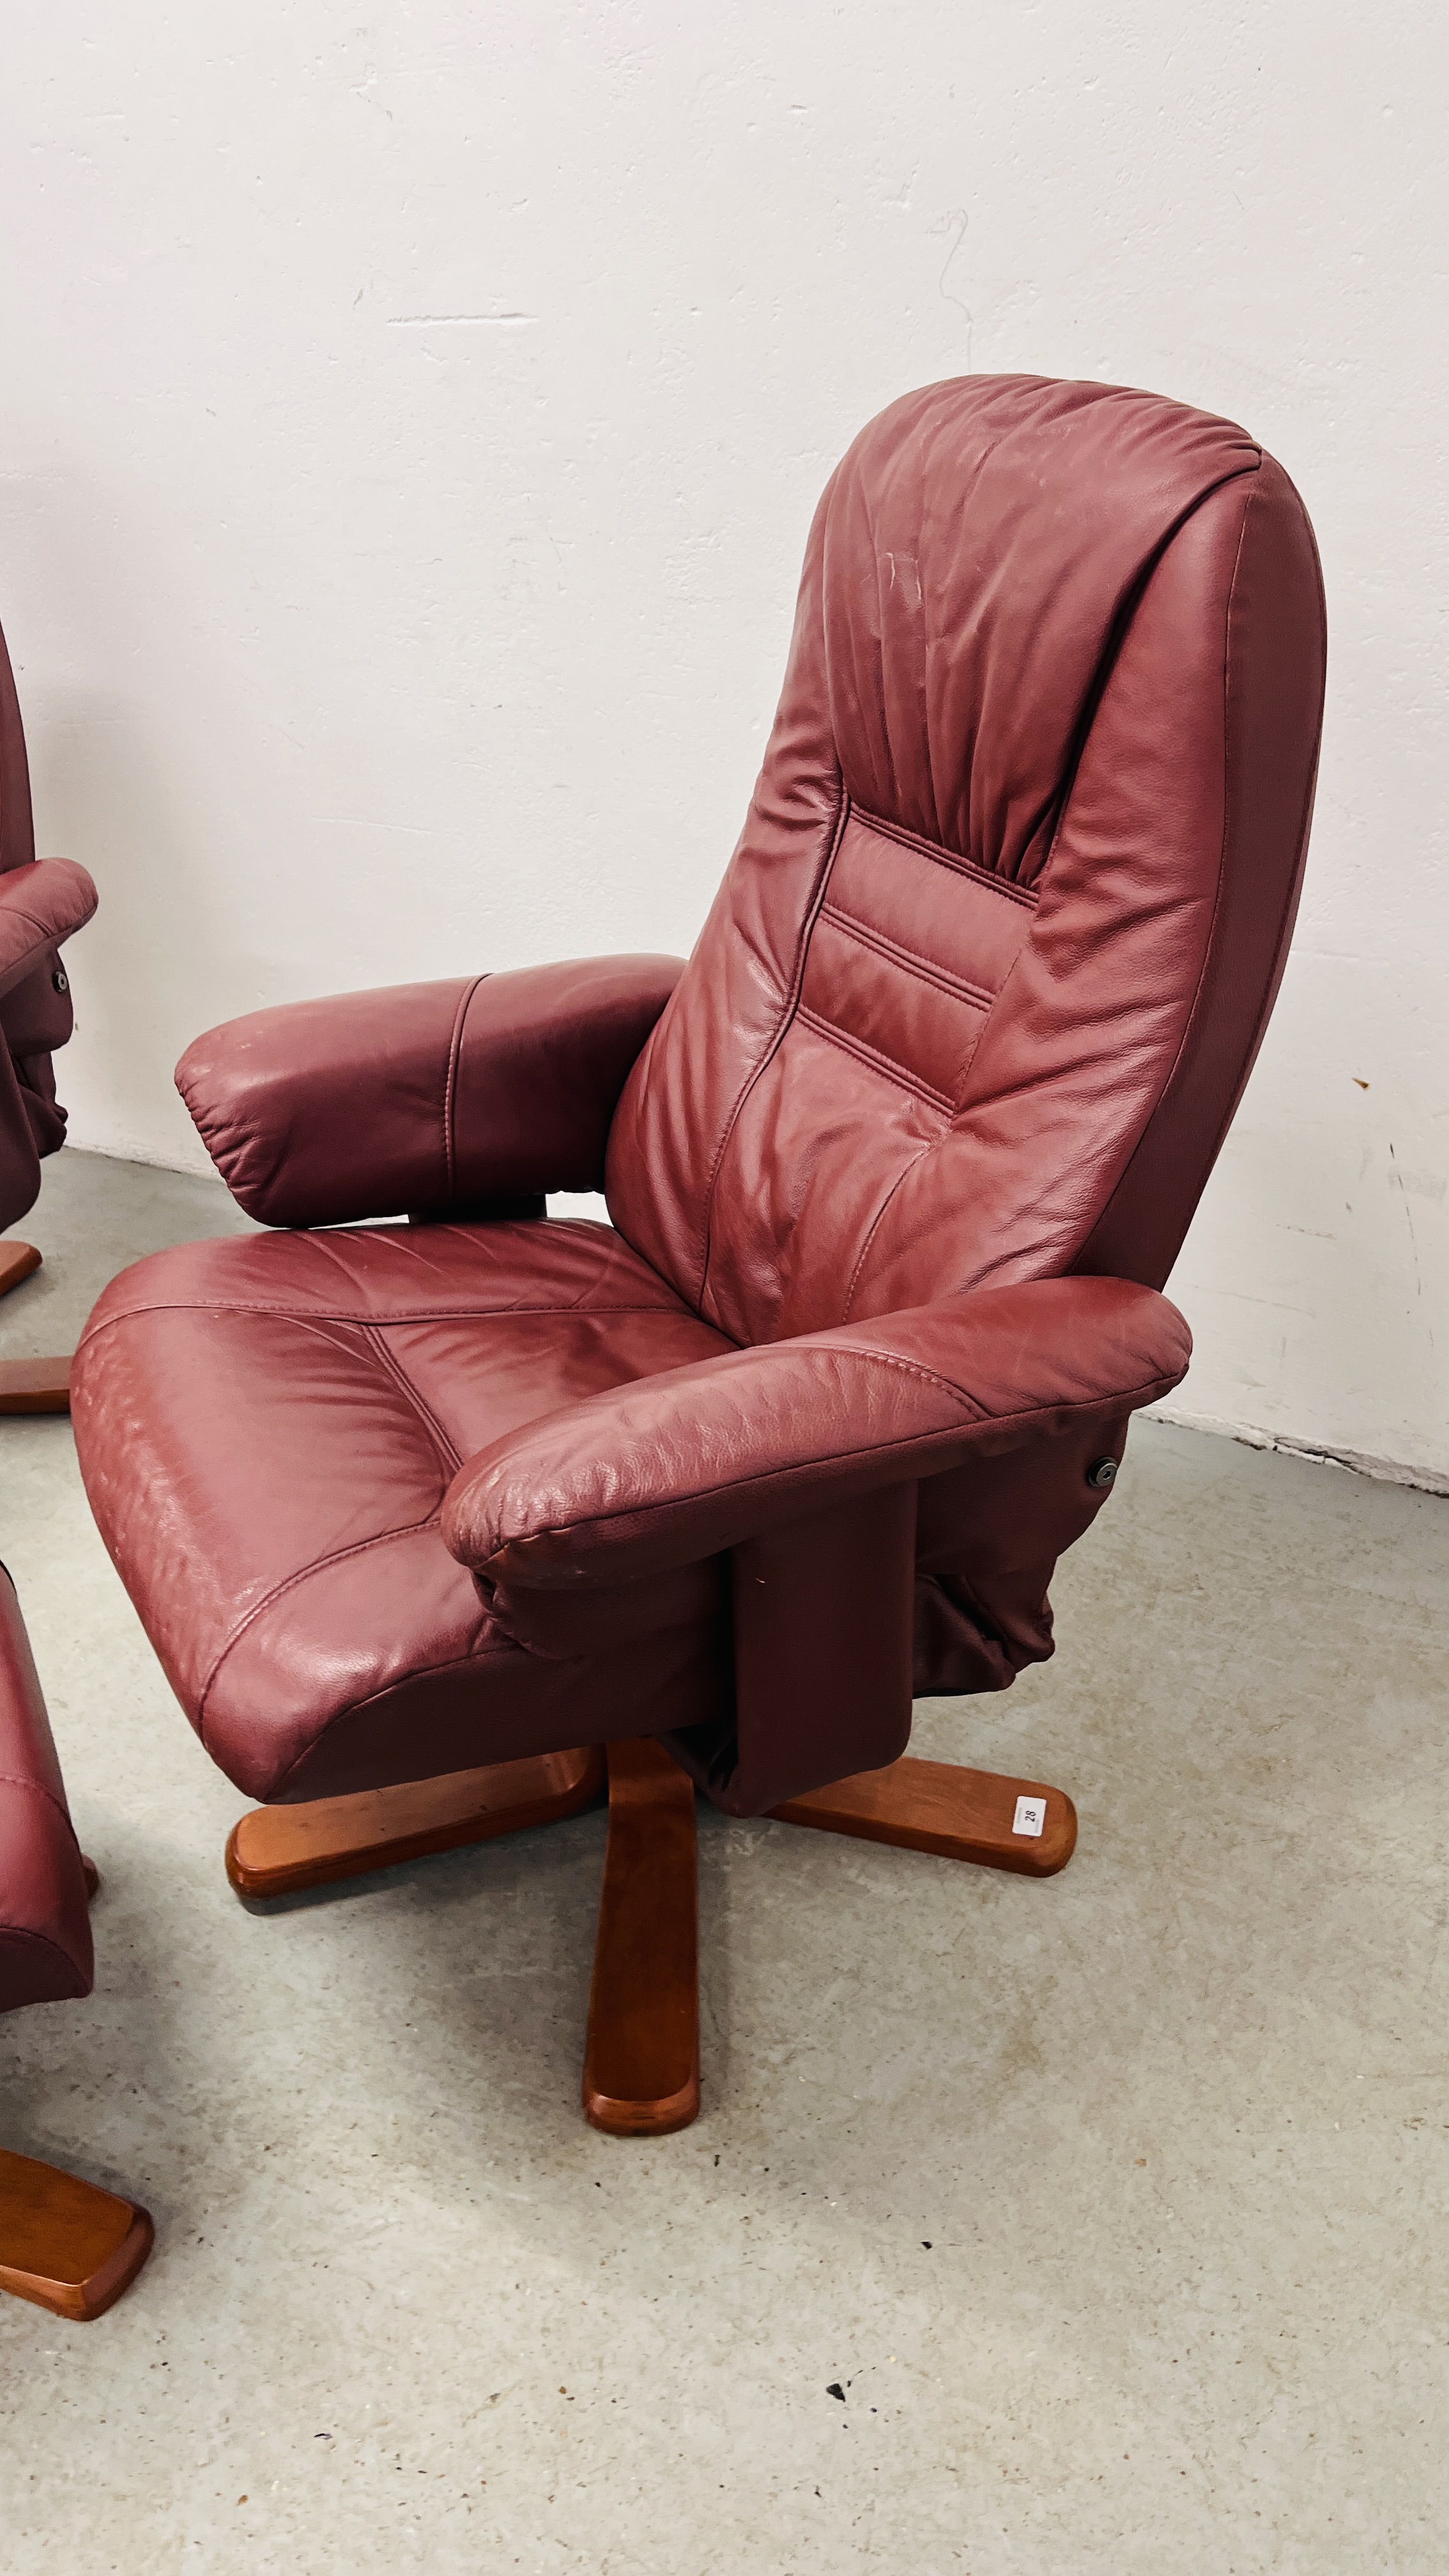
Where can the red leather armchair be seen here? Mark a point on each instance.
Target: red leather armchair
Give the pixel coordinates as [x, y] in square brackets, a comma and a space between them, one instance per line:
[420, 1515]
[63, 2243]
[42, 901]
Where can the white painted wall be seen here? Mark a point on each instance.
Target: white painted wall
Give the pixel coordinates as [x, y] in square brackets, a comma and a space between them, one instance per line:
[409, 423]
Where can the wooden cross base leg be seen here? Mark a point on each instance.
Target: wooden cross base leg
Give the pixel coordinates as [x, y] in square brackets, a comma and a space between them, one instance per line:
[641, 2063]
[274, 1851]
[981, 1816]
[35, 1386]
[29, 1386]
[641, 2068]
[641, 2073]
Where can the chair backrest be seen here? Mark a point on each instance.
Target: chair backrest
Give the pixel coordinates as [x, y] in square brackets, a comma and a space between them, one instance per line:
[17, 830]
[989, 968]
[37, 912]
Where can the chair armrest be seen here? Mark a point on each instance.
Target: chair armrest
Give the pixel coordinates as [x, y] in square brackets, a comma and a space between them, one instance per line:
[669, 1469]
[423, 1097]
[42, 902]
[45, 1932]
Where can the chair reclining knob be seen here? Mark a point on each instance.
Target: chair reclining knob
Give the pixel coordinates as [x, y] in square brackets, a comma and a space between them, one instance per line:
[1102, 1472]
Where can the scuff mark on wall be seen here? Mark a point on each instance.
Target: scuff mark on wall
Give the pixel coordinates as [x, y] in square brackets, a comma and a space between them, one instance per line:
[1397, 1178]
[954, 224]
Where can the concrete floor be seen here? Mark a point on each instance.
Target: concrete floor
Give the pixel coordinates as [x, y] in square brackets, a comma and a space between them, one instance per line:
[1115, 2204]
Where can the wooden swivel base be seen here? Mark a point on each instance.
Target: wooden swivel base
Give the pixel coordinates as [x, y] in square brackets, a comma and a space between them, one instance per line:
[65, 2244]
[641, 2058]
[29, 1386]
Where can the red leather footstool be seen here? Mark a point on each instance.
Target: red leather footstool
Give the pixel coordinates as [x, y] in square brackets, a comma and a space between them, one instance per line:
[63, 2243]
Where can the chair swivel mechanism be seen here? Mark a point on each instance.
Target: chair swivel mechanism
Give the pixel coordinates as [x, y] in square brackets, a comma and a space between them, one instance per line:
[64, 2243]
[430, 1522]
[42, 901]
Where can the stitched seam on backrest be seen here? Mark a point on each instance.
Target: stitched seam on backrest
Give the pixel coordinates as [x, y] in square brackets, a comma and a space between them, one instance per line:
[907, 958]
[957, 1108]
[1293, 888]
[1102, 677]
[787, 1013]
[870, 1056]
[1305, 813]
[969, 1058]
[1110, 660]
[1005, 886]
[902, 1175]
[1190, 1021]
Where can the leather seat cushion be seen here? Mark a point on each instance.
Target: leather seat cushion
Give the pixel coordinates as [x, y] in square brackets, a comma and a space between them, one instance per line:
[271, 1425]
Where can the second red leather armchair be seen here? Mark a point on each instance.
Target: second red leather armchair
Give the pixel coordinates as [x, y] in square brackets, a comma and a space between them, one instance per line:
[897, 1166]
